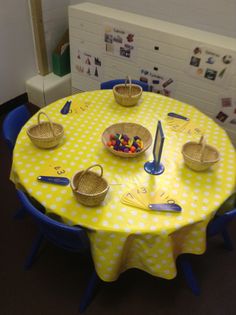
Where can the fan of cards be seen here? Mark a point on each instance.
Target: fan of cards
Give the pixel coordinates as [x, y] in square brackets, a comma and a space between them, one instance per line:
[142, 197]
[183, 124]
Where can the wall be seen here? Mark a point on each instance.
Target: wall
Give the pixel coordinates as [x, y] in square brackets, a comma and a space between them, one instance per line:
[215, 16]
[17, 62]
[55, 20]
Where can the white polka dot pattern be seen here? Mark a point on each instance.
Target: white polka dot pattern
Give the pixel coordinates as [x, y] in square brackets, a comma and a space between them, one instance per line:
[123, 237]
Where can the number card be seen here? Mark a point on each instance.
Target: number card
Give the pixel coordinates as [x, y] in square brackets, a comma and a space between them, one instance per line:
[54, 169]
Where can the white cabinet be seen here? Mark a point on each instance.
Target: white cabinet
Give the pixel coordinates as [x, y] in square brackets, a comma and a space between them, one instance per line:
[163, 48]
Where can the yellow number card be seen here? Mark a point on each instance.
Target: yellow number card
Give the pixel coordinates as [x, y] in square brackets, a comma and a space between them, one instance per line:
[54, 169]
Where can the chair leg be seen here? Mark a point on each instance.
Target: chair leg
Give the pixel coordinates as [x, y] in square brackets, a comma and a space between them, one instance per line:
[34, 250]
[227, 241]
[20, 214]
[189, 275]
[90, 291]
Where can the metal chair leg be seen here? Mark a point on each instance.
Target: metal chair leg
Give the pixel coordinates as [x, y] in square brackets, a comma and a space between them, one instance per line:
[189, 275]
[34, 250]
[90, 291]
[227, 241]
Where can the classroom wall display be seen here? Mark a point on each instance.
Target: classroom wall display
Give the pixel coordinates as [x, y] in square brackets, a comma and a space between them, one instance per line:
[211, 64]
[227, 110]
[158, 83]
[88, 64]
[119, 42]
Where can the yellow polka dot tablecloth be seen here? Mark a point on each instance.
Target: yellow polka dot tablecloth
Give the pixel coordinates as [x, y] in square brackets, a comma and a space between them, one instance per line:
[123, 236]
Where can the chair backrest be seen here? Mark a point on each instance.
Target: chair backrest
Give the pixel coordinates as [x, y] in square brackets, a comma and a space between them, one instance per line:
[73, 238]
[13, 123]
[109, 84]
[222, 219]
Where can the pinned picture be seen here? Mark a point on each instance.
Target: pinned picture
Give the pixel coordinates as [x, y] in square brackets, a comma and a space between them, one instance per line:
[222, 116]
[88, 64]
[119, 42]
[210, 74]
[211, 64]
[158, 83]
[227, 109]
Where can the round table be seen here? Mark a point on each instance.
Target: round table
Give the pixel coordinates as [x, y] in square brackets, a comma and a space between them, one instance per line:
[123, 236]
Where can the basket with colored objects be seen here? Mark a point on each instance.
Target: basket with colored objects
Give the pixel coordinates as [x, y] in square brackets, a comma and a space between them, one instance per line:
[45, 134]
[89, 187]
[127, 139]
[127, 94]
[199, 156]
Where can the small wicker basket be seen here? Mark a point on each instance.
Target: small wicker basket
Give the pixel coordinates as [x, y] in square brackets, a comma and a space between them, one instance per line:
[199, 156]
[89, 187]
[46, 134]
[132, 130]
[127, 94]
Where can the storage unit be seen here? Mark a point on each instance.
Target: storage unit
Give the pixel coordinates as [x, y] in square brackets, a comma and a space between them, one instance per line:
[43, 90]
[163, 48]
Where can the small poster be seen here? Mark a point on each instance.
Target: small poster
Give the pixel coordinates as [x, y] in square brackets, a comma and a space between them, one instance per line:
[88, 64]
[119, 42]
[158, 83]
[210, 64]
[227, 110]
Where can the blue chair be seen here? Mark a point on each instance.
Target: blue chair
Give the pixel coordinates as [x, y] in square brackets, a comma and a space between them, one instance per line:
[11, 127]
[13, 123]
[71, 238]
[109, 84]
[217, 226]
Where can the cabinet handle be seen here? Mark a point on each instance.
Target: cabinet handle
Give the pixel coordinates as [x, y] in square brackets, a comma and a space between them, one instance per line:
[156, 47]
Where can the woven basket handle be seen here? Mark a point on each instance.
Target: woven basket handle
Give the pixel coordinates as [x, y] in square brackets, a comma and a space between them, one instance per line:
[49, 120]
[85, 171]
[128, 83]
[203, 144]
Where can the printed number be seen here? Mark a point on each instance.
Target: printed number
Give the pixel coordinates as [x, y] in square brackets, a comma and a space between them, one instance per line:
[130, 195]
[142, 190]
[59, 170]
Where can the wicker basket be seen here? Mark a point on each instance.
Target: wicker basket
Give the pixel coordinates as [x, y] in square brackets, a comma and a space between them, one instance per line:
[199, 156]
[89, 187]
[131, 130]
[45, 134]
[127, 94]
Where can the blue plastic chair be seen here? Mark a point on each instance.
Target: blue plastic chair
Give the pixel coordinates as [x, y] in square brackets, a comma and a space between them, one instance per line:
[109, 84]
[217, 226]
[13, 123]
[11, 127]
[71, 238]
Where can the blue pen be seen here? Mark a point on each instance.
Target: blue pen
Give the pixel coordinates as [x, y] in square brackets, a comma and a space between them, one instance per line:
[174, 115]
[54, 180]
[172, 207]
[66, 108]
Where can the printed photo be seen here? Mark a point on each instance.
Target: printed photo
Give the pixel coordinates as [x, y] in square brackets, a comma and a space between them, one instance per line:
[222, 116]
[124, 52]
[97, 61]
[210, 74]
[108, 38]
[110, 48]
[197, 51]
[226, 102]
[195, 61]
[227, 59]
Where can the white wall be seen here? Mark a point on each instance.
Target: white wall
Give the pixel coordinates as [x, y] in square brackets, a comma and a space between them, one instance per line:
[55, 20]
[17, 60]
[217, 16]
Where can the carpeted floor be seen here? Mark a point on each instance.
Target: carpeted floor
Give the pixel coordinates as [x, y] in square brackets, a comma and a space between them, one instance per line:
[56, 281]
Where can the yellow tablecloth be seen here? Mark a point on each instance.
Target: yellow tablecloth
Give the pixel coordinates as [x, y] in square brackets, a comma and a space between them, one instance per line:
[121, 236]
